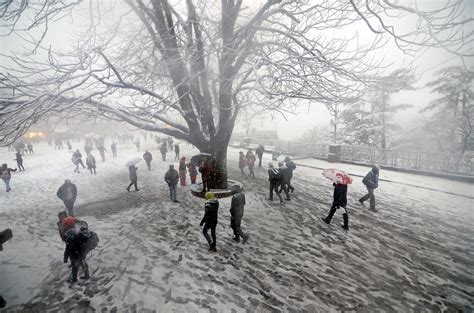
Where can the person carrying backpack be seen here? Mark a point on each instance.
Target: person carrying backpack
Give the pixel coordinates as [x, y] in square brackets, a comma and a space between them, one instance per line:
[209, 220]
[371, 182]
[274, 179]
[79, 241]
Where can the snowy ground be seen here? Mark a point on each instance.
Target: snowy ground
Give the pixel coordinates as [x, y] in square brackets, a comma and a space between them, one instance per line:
[415, 254]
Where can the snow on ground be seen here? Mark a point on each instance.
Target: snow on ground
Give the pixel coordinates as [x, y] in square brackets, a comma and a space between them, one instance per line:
[415, 254]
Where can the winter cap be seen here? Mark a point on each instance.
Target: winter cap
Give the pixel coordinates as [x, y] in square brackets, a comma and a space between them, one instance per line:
[69, 221]
[376, 168]
[62, 213]
[280, 163]
[210, 196]
[270, 164]
[235, 189]
[67, 181]
[171, 166]
[287, 158]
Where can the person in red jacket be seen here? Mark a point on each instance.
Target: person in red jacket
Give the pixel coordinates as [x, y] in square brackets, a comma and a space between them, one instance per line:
[182, 171]
[192, 172]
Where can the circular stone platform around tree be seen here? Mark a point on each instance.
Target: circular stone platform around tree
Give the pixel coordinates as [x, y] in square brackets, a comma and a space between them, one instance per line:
[196, 190]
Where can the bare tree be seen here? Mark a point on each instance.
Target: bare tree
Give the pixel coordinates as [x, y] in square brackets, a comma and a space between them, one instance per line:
[188, 69]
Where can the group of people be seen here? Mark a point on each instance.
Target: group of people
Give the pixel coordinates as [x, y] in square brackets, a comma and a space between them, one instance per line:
[210, 218]
[280, 179]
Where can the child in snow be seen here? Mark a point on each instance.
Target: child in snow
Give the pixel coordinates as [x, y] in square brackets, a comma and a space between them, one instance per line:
[210, 219]
[340, 201]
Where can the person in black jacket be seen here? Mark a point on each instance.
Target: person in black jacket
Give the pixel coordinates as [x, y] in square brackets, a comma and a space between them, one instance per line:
[259, 152]
[75, 251]
[274, 179]
[19, 161]
[284, 176]
[371, 182]
[148, 157]
[236, 213]
[209, 220]
[171, 178]
[291, 167]
[68, 193]
[340, 201]
[132, 170]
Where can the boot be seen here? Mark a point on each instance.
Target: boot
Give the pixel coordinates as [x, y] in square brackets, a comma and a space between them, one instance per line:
[236, 238]
[328, 219]
[245, 239]
[345, 217]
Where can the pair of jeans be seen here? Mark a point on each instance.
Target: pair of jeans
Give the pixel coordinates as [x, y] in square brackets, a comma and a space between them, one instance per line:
[133, 183]
[212, 227]
[7, 183]
[81, 262]
[369, 195]
[173, 192]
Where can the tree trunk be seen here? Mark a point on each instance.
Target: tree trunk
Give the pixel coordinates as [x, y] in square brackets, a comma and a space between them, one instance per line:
[219, 168]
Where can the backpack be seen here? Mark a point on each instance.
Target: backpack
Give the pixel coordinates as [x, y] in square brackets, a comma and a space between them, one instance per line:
[90, 238]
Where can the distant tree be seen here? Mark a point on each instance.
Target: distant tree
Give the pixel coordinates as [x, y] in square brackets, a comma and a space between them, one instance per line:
[452, 114]
[316, 134]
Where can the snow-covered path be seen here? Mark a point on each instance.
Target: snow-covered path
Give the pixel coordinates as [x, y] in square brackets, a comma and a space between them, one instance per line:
[416, 253]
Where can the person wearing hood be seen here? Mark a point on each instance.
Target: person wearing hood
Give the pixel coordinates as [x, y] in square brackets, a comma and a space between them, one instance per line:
[132, 170]
[291, 167]
[148, 157]
[274, 179]
[371, 182]
[236, 213]
[182, 171]
[90, 161]
[68, 193]
[6, 175]
[339, 201]
[209, 220]
[284, 179]
[171, 178]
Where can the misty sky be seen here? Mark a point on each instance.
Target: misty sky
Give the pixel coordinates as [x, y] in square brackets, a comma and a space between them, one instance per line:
[426, 62]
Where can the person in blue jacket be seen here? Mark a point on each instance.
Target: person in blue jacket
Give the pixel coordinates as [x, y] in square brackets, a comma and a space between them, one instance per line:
[371, 182]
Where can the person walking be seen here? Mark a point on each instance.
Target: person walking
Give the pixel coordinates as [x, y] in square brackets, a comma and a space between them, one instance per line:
[211, 209]
[259, 152]
[371, 182]
[291, 167]
[182, 171]
[284, 179]
[171, 178]
[274, 179]
[69, 146]
[192, 172]
[339, 201]
[137, 144]
[6, 174]
[251, 162]
[78, 157]
[76, 252]
[90, 162]
[242, 164]
[206, 170]
[176, 151]
[113, 147]
[30, 148]
[68, 193]
[87, 148]
[148, 157]
[170, 143]
[19, 161]
[236, 213]
[163, 150]
[132, 170]
[102, 152]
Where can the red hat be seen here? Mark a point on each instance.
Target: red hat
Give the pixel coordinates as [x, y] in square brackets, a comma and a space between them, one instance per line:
[69, 222]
